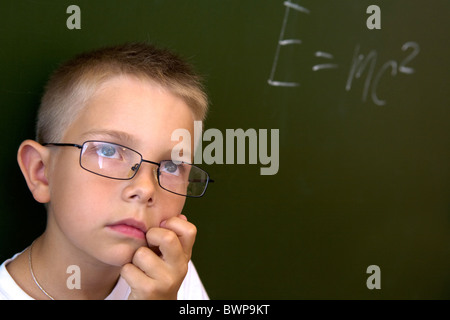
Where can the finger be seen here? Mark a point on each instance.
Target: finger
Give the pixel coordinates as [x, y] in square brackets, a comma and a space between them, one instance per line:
[136, 278]
[185, 231]
[148, 261]
[168, 243]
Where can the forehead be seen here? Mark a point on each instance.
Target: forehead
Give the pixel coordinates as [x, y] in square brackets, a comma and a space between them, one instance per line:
[135, 111]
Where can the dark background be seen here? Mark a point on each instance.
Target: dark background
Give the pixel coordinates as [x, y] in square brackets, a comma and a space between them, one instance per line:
[359, 184]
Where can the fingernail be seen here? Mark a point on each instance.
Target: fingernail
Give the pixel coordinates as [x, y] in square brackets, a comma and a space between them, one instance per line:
[163, 223]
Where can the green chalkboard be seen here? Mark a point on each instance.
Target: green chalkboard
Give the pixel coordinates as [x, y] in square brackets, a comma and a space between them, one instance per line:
[362, 116]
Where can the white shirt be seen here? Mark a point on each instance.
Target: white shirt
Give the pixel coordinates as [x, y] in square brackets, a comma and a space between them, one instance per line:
[191, 288]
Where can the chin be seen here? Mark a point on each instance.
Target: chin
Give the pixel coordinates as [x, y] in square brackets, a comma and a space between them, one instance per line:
[119, 254]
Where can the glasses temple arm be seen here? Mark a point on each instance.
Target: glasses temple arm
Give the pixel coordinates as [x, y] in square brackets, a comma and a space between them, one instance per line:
[62, 145]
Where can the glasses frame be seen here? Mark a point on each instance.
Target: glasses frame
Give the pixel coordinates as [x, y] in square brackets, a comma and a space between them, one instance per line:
[80, 146]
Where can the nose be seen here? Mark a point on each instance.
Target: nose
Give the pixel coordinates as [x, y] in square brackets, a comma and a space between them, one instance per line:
[143, 185]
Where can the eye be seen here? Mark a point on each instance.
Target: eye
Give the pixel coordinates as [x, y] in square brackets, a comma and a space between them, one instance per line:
[107, 151]
[170, 167]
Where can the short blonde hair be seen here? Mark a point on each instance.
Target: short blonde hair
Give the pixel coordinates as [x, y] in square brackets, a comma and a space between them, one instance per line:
[75, 81]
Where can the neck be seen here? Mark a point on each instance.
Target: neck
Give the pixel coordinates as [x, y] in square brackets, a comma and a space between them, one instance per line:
[65, 272]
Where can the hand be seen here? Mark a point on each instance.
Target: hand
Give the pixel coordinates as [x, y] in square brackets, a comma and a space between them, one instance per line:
[157, 273]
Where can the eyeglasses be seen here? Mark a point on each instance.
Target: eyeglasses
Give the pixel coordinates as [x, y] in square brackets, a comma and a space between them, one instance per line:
[118, 162]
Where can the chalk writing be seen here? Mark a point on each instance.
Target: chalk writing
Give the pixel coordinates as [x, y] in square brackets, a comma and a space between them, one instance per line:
[361, 64]
[326, 55]
[285, 42]
[416, 49]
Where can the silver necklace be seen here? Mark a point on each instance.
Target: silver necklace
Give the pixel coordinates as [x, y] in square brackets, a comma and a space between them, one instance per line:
[34, 277]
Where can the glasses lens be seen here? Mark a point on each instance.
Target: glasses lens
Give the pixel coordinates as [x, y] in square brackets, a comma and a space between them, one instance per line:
[182, 178]
[109, 159]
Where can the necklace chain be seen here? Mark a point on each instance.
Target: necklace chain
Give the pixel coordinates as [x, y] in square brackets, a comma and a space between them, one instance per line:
[34, 277]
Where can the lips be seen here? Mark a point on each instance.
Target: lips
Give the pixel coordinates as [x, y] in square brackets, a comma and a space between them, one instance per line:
[129, 227]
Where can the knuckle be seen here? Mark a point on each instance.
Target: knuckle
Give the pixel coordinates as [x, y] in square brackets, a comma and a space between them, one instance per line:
[148, 289]
[184, 270]
[140, 253]
[170, 238]
[192, 231]
[170, 282]
[126, 269]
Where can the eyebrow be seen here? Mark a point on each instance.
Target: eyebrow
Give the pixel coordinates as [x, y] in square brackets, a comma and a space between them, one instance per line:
[114, 134]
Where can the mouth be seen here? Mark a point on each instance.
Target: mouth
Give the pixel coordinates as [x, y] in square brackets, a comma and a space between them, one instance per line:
[130, 228]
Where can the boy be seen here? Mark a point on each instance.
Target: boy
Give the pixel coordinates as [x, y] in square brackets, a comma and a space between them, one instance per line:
[102, 164]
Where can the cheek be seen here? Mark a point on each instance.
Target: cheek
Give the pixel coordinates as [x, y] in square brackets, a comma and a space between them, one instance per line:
[80, 200]
[176, 203]
[170, 205]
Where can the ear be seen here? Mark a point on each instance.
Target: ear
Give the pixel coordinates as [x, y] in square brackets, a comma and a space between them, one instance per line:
[33, 158]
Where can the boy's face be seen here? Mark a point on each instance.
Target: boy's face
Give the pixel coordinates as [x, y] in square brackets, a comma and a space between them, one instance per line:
[84, 206]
